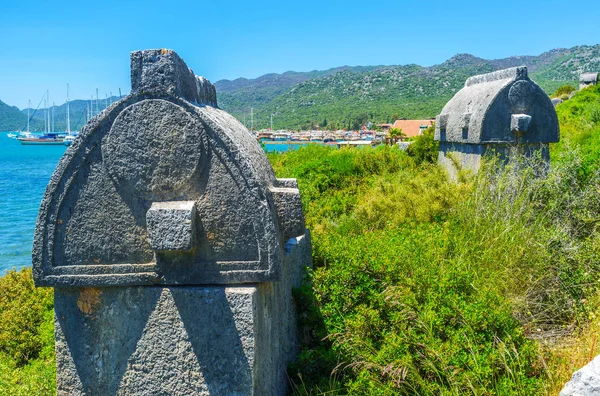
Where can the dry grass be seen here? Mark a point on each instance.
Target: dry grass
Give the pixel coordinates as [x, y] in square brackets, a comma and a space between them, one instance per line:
[570, 353]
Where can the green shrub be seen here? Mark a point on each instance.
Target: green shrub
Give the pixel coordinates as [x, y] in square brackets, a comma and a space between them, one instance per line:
[424, 286]
[424, 147]
[22, 311]
[26, 336]
[563, 90]
[580, 130]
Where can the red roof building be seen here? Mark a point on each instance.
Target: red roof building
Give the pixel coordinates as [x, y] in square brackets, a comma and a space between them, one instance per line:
[412, 128]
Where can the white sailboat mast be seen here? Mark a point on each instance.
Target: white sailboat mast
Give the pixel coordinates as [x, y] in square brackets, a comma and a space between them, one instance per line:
[45, 116]
[48, 109]
[68, 115]
[28, 107]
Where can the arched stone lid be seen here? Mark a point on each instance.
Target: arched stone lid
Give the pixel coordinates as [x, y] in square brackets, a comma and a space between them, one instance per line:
[588, 78]
[163, 187]
[491, 108]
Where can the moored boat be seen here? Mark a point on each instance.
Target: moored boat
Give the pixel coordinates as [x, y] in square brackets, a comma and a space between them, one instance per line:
[69, 139]
[45, 140]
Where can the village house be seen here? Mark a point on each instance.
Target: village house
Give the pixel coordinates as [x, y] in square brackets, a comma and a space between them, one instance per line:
[412, 128]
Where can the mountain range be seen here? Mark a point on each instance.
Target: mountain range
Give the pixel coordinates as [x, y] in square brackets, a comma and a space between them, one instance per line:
[349, 96]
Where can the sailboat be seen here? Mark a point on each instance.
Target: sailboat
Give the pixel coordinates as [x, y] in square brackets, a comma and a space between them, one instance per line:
[48, 138]
[68, 140]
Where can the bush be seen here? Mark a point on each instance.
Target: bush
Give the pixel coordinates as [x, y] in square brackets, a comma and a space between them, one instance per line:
[424, 147]
[26, 336]
[23, 310]
[424, 286]
[563, 90]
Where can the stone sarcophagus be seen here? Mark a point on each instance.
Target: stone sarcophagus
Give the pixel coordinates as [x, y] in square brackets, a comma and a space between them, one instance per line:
[495, 113]
[172, 247]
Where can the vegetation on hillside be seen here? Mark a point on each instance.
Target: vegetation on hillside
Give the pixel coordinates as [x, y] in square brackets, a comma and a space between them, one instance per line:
[11, 118]
[350, 98]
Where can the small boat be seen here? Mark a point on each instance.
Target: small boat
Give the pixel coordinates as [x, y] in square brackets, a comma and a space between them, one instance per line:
[69, 139]
[49, 139]
[12, 135]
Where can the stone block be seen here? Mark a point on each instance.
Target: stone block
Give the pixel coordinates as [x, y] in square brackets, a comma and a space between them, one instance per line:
[287, 183]
[585, 381]
[204, 340]
[172, 225]
[289, 211]
[519, 122]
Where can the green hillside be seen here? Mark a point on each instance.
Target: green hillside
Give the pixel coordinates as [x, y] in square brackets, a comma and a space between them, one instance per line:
[11, 118]
[350, 97]
[77, 110]
[241, 94]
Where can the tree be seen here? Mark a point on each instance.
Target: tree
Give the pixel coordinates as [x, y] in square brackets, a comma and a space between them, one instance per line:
[394, 134]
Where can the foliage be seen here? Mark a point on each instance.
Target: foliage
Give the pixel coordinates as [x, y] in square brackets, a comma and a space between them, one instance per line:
[424, 286]
[563, 90]
[424, 147]
[26, 336]
[579, 120]
[11, 119]
[22, 309]
[395, 134]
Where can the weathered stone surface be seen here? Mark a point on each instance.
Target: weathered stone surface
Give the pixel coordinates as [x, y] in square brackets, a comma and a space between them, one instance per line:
[519, 122]
[172, 225]
[289, 210]
[163, 71]
[556, 101]
[157, 145]
[287, 183]
[172, 247]
[154, 149]
[495, 111]
[584, 382]
[207, 340]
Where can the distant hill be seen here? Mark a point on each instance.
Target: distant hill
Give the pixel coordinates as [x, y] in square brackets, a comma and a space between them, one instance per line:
[77, 110]
[348, 97]
[243, 93]
[11, 118]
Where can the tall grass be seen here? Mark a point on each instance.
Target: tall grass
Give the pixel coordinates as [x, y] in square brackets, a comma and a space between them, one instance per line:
[424, 286]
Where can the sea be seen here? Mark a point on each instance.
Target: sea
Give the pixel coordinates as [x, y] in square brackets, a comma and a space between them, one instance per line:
[24, 174]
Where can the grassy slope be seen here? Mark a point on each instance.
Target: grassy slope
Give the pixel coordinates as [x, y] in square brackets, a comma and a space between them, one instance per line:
[424, 286]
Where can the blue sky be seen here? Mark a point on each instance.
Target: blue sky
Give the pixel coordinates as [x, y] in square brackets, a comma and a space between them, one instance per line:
[46, 45]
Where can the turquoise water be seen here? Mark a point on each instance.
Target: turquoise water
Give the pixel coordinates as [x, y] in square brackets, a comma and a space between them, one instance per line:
[24, 174]
[282, 147]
